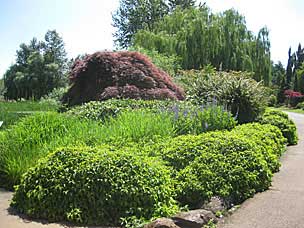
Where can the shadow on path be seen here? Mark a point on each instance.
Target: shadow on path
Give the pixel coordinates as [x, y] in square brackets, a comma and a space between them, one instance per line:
[10, 219]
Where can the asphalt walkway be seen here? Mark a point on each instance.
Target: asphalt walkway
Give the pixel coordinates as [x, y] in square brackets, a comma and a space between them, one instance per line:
[282, 206]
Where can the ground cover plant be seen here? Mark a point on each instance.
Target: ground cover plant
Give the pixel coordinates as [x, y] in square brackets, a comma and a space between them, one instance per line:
[281, 120]
[232, 164]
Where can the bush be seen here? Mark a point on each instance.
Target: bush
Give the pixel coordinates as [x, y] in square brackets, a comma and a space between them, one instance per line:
[95, 186]
[106, 75]
[55, 96]
[293, 98]
[281, 120]
[233, 165]
[33, 137]
[230, 166]
[243, 96]
[300, 105]
[269, 138]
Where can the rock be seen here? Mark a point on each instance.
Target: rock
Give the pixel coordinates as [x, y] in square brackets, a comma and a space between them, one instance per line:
[162, 223]
[215, 204]
[193, 219]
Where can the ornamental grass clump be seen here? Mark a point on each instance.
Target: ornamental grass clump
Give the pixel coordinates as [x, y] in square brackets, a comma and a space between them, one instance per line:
[186, 117]
[244, 97]
[33, 137]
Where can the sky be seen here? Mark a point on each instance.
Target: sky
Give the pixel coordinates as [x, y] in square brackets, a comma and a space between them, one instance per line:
[86, 25]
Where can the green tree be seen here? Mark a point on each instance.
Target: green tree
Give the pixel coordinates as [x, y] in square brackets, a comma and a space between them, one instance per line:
[184, 4]
[40, 67]
[300, 76]
[289, 69]
[2, 88]
[133, 15]
[199, 37]
[278, 73]
[294, 76]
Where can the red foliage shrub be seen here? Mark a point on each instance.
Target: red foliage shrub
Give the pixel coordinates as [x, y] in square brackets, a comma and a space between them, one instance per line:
[293, 97]
[291, 94]
[105, 75]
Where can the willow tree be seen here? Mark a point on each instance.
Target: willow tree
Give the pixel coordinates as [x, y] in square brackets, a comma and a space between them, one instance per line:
[199, 38]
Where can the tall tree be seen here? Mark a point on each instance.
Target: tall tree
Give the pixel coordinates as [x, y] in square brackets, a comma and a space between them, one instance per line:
[133, 15]
[300, 76]
[278, 73]
[184, 4]
[289, 69]
[2, 88]
[200, 37]
[40, 67]
[54, 51]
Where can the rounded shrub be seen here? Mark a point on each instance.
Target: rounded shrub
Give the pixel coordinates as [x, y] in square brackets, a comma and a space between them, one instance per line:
[122, 74]
[95, 186]
[245, 97]
[281, 120]
[268, 137]
[225, 165]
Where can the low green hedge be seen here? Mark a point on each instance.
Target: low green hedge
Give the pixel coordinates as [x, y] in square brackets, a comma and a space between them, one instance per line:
[268, 137]
[281, 120]
[233, 164]
[96, 186]
[232, 167]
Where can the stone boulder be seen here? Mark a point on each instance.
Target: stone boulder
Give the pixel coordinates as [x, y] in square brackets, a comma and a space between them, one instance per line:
[193, 219]
[162, 223]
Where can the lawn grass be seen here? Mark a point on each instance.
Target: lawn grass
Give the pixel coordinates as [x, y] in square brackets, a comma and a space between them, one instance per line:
[12, 111]
[283, 108]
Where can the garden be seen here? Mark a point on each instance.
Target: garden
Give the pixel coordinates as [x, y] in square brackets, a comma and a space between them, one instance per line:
[186, 122]
[128, 151]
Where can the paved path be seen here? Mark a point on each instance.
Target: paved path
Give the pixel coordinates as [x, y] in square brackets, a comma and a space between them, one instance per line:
[283, 205]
